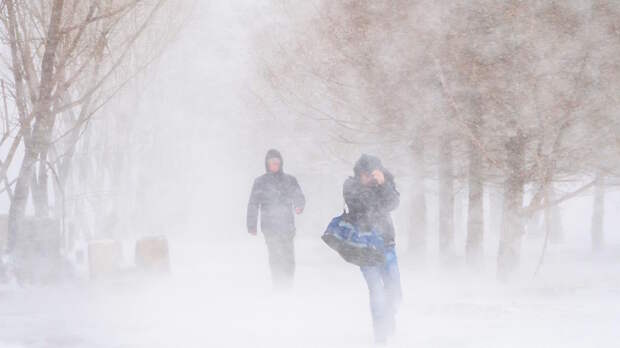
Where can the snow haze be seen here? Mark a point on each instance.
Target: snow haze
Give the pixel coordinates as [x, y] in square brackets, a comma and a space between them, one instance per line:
[429, 88]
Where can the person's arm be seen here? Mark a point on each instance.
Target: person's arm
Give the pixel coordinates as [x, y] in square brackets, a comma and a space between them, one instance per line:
[355, 197]
[389, 196]
[299, 200]
[253, 205]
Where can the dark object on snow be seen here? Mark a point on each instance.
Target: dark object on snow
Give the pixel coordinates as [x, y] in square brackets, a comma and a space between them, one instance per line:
[275, 195]
[356, 247]
[370, 206]
[153, 255]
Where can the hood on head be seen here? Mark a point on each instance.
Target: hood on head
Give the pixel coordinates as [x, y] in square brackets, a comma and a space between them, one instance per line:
[367, 164]
[273, 153]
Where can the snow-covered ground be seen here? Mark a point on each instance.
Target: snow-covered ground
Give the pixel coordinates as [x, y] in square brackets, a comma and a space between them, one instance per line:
[219, 295]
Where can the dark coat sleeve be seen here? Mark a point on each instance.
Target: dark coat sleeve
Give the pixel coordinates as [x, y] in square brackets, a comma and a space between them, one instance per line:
[356, 197]
[253, 205]
[389, 196]
[299, 200]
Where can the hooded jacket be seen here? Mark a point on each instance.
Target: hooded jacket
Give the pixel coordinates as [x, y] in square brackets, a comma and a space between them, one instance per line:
[370, 206]
[275, 195]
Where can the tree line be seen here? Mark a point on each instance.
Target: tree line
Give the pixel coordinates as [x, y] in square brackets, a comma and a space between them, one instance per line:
[514, 97]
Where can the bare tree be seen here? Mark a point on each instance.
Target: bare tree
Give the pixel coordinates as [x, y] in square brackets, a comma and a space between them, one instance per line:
[68, 58]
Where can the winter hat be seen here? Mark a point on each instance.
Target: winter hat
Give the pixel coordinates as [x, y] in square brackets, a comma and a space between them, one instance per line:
[273, 153]
[367, 164]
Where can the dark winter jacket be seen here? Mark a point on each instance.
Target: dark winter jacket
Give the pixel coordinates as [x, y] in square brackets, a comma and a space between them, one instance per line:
[275, 195]
[370, 206]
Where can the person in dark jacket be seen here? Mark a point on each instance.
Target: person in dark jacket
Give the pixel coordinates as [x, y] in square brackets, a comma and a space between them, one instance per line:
[276, 195]
[370, 196]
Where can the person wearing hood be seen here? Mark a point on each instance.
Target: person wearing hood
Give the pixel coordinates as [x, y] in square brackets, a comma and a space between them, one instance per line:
[370, 196]
[276, 195]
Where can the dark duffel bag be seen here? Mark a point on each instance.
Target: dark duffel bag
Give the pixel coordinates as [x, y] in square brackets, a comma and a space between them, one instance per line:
[357, 247]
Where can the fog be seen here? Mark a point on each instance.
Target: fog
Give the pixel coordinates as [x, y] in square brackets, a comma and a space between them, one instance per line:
[176, 150]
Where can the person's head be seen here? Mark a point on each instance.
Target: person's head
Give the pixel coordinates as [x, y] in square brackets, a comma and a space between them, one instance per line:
[273, 161]
[363, 168]
[274, 164]
[366, 179]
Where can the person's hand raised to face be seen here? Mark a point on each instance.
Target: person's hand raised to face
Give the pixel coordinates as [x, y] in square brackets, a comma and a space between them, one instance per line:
[378, 176]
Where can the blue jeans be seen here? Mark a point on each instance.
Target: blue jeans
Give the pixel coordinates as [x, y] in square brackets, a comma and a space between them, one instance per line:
[385, 294]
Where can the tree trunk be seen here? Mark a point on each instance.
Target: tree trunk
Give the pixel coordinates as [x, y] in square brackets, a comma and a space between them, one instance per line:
[512, 224]
[475, 217]
[446, 199]
[553, 218]
[598, 215]
[417, 228]
[496, 208]
[37, 142]
[40, 196]
[17, 210]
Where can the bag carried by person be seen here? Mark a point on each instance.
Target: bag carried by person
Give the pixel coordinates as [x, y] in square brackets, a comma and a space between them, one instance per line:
[357, 247]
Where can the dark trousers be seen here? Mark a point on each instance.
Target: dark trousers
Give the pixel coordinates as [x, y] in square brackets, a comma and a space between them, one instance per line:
[281, 249]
